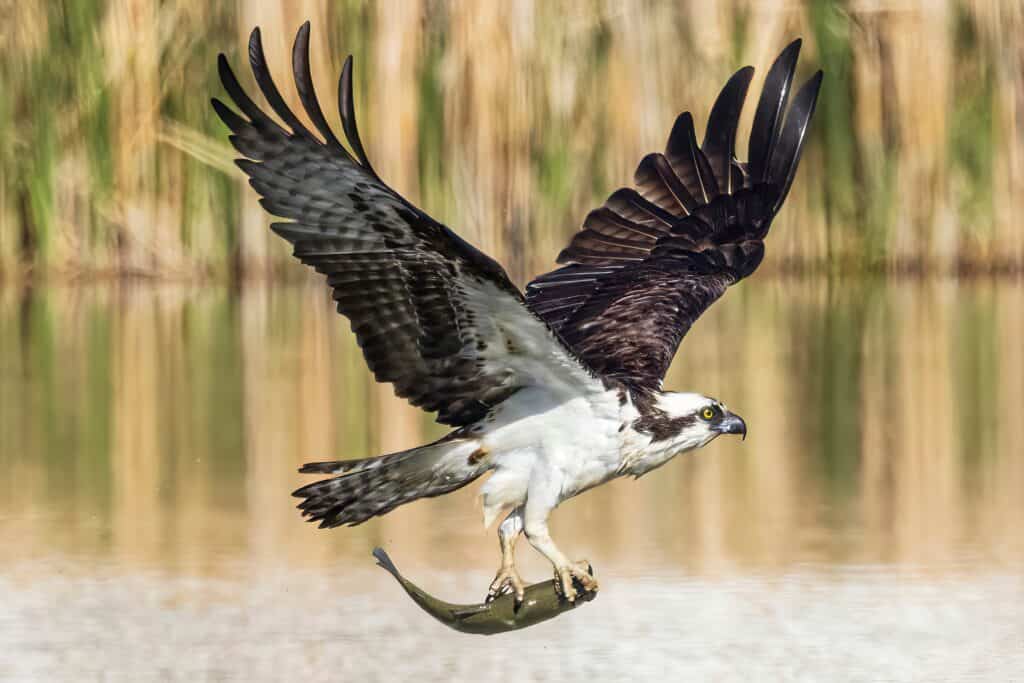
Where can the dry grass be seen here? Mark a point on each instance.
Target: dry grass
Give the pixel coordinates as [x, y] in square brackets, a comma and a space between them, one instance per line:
[508, 121]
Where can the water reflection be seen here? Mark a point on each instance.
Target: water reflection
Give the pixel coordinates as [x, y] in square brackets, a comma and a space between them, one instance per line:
[160, 426]
[149, 437]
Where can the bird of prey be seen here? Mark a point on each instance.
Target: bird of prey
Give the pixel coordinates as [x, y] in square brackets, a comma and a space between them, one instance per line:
[554, 391]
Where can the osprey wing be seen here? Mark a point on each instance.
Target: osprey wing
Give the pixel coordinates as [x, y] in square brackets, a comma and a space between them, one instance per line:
[650, 261]
[433, 315]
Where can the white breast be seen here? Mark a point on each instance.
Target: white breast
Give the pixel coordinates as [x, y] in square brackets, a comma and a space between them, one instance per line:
[538, 442]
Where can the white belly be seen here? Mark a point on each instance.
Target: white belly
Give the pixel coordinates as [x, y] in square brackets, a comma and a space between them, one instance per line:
[548, 449]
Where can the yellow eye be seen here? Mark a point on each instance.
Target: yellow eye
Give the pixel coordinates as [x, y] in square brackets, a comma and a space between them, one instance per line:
[708, 413]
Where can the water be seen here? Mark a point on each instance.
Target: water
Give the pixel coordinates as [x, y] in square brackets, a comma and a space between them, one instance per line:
[867, 529]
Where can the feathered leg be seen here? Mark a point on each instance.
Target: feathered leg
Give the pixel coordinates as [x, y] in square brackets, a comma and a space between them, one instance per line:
[508, 577]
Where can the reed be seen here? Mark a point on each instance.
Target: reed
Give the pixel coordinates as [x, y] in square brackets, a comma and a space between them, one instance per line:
[507, 121]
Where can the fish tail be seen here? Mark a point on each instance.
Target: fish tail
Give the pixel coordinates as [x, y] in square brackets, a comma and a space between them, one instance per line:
[369, 487]
[384, 561]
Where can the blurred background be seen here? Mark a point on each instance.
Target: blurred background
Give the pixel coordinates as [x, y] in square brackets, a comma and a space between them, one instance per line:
[165, 366]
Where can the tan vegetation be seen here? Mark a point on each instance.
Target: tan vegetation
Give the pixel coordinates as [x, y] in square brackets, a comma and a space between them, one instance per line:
[508, 121]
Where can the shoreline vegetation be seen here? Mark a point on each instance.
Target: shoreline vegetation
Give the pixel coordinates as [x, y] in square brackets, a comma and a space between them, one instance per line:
[508, 123]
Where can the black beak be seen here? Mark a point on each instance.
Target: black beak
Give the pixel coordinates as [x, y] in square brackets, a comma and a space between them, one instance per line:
[731, 424]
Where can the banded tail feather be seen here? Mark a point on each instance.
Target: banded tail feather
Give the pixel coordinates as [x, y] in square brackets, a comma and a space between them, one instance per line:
[369, 487]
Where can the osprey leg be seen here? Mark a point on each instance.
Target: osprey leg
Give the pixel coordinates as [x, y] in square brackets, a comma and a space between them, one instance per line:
[508, 577]
[535, 525]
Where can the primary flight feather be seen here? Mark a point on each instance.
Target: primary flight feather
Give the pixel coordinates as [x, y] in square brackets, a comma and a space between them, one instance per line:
[554, 392]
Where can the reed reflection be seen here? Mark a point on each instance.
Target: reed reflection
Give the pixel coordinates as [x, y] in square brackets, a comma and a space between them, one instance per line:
[161, 426]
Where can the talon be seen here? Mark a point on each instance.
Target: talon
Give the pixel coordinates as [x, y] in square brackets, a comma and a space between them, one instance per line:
[580, 573]
[583, 572]
[506, 580]
[563, 583]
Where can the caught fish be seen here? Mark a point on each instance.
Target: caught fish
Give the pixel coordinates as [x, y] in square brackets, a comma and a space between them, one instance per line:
[541, 602]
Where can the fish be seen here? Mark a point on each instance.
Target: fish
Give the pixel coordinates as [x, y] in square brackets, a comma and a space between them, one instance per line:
[541, 602]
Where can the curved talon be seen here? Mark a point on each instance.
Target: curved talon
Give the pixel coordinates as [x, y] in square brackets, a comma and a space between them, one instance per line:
[506, 580]
[578, 572]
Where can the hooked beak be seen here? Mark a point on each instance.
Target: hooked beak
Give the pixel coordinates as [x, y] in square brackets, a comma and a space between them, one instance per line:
[732, 423]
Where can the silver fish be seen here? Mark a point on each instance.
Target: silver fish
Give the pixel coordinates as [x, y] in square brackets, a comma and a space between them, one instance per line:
[541, 602]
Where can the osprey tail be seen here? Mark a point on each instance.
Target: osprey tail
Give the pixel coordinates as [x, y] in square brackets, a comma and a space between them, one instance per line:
[369, 487]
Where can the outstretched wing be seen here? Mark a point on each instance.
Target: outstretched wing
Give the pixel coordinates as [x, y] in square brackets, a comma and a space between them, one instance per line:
[650, 261]
[433, 315]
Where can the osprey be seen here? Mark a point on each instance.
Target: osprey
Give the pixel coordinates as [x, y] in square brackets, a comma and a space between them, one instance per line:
[553, 392]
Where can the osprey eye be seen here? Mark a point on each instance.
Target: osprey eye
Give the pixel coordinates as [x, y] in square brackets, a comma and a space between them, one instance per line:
[708, 413]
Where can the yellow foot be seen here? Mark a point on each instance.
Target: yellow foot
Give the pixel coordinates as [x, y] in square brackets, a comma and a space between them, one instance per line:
[507, 579]
[576, 573]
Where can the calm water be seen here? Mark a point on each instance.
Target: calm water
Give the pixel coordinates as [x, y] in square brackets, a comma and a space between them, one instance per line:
[868, 528]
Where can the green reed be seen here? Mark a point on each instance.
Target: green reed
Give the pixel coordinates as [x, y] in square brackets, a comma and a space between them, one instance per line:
[506, 124]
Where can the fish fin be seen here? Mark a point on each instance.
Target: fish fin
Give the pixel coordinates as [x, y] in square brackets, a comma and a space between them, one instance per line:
[469, 610]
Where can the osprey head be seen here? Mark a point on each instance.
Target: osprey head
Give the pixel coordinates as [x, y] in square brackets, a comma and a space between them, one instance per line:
[696, 419]
[676, 423]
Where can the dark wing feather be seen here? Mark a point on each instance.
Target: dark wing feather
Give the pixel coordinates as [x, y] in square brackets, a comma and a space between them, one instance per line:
[770, 108]
[689, 164]
[791, 142]
[433, 315]
[307, 93]
[348, 116]
[660, 185]
[649, 262]
[652, 287]
[720, 136]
